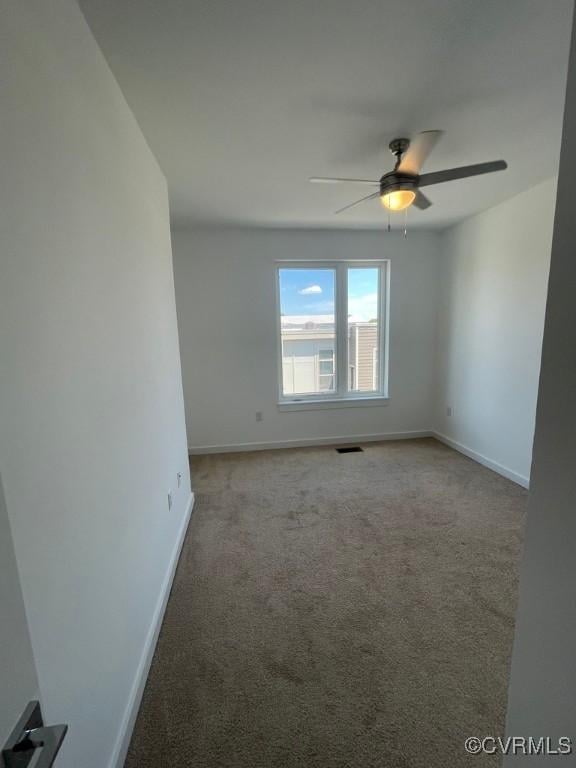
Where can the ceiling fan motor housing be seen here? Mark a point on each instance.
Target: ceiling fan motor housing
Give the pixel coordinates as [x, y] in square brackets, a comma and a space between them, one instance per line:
[392, 182]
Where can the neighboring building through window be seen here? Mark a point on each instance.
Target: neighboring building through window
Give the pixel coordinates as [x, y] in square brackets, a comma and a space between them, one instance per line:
[327, 311]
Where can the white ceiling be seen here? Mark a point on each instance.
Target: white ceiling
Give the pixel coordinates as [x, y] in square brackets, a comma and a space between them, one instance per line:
[243, 100]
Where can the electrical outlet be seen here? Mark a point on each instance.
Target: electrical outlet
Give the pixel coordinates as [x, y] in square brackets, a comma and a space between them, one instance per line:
[259, 416]
[449, 411]
[169, 500]
[179, 478]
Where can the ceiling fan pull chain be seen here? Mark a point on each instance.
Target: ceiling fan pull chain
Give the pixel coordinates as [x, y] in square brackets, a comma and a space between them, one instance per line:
[389, 227]
[405, 222]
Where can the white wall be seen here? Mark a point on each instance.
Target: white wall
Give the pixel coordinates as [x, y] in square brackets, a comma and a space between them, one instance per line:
[91, 411]
[494, 270]
[542, 698]
[225, 291]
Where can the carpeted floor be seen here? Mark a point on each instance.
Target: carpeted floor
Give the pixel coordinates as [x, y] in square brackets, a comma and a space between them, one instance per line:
[336, 611]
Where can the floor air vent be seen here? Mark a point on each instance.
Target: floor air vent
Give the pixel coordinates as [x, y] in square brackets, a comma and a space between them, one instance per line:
[354, 449]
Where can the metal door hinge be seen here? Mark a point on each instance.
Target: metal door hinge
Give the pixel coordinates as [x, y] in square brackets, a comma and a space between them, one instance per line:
[32, 744]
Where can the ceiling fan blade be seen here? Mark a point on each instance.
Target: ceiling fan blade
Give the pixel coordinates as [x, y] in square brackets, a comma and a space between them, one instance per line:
[362, 199]
[418, 150]
[451, 174]
[330, 180]
[421, 201]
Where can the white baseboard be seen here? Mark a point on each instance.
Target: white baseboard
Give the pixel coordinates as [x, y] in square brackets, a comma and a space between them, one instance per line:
[484, 460]
[335, 440]
[131, 712]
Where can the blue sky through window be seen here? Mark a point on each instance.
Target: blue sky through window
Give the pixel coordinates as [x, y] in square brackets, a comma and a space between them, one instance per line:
[307, 291]
[311, 292]
[362, 293]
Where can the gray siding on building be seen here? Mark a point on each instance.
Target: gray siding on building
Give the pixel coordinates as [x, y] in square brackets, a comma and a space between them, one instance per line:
[366, 356]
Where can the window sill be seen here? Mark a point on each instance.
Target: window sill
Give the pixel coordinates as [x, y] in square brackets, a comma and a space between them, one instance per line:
[341, 402]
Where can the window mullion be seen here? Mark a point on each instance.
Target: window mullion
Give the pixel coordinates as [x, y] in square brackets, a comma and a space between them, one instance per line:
[341, 329]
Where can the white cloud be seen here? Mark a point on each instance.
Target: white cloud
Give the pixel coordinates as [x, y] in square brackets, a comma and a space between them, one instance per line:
[363, 308]
[310, 289]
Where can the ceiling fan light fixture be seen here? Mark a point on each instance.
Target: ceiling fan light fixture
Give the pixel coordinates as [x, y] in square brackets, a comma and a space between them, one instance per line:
[398, 200]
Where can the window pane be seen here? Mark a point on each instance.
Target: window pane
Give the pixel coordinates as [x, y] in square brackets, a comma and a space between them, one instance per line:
[308, 330]
[327, 383]
[363, 329]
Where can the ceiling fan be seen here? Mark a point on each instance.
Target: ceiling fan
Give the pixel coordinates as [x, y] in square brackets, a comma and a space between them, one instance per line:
[400, 188]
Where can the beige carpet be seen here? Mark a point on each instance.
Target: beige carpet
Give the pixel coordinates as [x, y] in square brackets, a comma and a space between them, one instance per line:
[335, 611]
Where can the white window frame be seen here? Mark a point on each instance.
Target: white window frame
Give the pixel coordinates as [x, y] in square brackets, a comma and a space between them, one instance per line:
[341, 397]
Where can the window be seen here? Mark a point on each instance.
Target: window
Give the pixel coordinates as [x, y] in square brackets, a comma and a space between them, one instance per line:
[326, 371]
[332, 328]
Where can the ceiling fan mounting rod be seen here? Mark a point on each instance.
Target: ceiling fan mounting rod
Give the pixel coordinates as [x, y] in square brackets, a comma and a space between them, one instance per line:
[398, 147]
